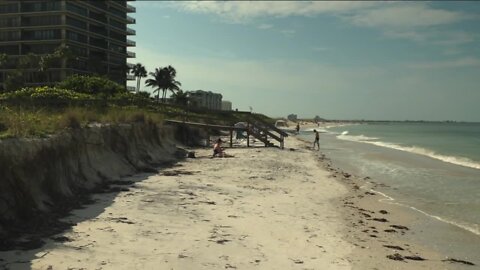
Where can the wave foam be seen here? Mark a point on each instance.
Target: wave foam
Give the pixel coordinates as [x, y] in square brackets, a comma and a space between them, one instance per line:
[321, 130]
[462, 161]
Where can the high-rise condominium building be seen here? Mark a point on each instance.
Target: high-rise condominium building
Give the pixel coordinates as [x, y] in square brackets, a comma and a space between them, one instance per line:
[95, 32]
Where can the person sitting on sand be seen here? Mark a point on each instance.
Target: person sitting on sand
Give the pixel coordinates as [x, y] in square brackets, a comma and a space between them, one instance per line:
[217, 149]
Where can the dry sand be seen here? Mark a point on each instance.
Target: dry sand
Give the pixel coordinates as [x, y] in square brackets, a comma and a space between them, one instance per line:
[264, 208]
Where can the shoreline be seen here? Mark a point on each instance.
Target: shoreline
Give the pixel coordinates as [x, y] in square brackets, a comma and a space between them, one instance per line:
[367, 209]
[264, 208]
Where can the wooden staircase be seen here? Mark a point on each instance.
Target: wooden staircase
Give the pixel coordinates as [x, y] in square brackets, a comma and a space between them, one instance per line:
[263, 131]
[256, 127]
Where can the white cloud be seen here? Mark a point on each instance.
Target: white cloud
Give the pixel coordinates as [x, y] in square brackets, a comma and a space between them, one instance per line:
[405, 15]
[405, 20]
[450, 38]
[320, 49]
[435, 37]
[265, 26]
[242, 11]
[288, 32]
[411, 35]
[454, 63]
[361, 13]
[452, 51]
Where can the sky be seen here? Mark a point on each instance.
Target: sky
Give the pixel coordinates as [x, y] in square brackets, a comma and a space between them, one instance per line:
[338, 60]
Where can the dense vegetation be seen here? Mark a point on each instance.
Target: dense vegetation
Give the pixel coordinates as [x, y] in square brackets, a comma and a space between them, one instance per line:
[80, 100]
[83, 100]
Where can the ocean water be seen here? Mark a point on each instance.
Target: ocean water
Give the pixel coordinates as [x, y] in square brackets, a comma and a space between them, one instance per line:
[433, 169]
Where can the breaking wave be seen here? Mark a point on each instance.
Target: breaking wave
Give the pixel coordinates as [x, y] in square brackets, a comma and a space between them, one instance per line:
[462, 161]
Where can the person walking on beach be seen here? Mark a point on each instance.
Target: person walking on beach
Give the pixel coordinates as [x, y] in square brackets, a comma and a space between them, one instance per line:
[298, 128]
[317, 140]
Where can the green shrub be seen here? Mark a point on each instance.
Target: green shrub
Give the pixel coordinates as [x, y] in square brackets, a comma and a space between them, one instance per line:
[93, 85]
[127, 98]
[45, 96]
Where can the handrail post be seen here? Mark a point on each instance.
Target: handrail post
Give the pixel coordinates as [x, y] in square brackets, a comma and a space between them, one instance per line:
[282, 141]
[231, 137]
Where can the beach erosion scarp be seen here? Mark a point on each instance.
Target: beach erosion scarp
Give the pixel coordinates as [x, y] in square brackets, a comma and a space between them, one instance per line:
[43, 178]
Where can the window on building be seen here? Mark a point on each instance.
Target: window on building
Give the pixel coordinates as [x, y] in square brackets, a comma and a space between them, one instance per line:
[102, 43]
[117, 48]
[76, 9]
[41, 20]
[118, 36]
[76, 23]
[42, 34]
[39, 48]
[76, 37]
[98, 4]
[98, 17]
[41, 6]
[118, 24]
[9, 35]
[78, 51]
[10, 49]
[101, 30]
[8, 8]
[117, 12]
[118, 60]
[9, 22]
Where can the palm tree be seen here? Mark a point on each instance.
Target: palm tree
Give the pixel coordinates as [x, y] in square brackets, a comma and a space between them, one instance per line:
[140, 72]
[180, 98]
[163, 79]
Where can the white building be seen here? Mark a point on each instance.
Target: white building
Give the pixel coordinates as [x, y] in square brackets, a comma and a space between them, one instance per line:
[206, 99]
[226, 105]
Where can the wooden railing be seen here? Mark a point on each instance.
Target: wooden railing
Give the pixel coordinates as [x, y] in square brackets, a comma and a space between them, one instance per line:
[256, 126]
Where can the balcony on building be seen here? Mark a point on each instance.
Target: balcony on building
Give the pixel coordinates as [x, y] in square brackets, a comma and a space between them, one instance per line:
[131, 43]
[130, 77]
[130, 31]
[131, 54]
[130, 20]
[131, 8]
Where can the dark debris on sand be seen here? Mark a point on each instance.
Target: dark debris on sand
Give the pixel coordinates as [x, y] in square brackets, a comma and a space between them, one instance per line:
[393, 247]
[398, 257]
[452, 260]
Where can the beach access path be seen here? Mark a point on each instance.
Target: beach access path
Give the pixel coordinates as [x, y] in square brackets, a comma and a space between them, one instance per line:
[264, 208]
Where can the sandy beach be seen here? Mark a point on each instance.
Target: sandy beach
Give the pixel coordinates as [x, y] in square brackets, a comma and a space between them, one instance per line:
[264, 208]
